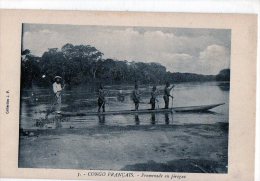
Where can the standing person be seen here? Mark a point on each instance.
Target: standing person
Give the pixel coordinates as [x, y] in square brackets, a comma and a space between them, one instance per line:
[57, 88]
[136, 97]
[101, 98]
[153, 99]
[167, 94]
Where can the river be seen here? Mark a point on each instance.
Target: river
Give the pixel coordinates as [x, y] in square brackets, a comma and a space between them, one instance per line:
[36, 101]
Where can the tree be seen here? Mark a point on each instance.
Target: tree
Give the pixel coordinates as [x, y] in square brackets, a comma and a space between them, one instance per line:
[85, 56]
[79, 64]
[224, 75]
[30, 69]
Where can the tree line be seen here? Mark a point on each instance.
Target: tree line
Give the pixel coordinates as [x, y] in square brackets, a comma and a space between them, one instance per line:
[84, 64]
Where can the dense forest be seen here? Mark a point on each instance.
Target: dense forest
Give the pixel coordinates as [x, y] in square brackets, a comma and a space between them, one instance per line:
[83, 64]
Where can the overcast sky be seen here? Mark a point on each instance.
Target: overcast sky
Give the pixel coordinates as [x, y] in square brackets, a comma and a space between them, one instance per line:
[204, 51]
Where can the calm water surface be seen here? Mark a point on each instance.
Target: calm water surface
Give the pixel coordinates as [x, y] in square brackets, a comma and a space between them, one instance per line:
[36, 101]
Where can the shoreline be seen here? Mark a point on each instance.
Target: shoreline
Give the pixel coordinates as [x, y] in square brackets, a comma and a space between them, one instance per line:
[94, 84]
[195, 148]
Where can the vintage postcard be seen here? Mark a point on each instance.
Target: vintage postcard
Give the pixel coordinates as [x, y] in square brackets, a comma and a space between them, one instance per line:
[127, 96]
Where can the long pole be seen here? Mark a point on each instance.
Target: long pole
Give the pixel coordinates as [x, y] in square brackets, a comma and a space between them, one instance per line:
[52, 105]
[172, 111]
[172, 100]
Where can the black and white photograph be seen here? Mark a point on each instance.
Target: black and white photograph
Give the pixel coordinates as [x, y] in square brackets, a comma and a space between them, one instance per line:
[124, 98]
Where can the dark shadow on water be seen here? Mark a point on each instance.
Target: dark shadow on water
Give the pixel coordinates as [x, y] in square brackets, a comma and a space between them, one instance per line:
[54, 122]
[181, 165]
[201, 112]
[221, 127]
[152, 118]
[224, 86]
[137, 120]
[167, 120]
[101, 119]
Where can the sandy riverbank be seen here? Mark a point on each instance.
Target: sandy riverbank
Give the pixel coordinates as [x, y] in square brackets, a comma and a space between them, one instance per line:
[171, 148]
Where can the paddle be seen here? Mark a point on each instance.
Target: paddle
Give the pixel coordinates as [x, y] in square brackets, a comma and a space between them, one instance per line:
[172, 106]
[172, 111]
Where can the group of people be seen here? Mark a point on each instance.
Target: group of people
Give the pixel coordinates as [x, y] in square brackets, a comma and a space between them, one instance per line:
[136, 95]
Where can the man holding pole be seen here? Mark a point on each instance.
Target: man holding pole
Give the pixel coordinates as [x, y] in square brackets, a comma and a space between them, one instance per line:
[167, 94]
[57, 88]
[136, 97]
[153, 99]
[101, 98]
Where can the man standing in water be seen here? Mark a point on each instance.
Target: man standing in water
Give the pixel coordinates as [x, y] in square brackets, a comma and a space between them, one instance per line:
[153, 99]
[136, 97]
[101, 98]
[57, 88]
[167, 94]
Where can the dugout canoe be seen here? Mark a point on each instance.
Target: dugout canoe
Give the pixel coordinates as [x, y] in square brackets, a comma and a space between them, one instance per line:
[201, 108]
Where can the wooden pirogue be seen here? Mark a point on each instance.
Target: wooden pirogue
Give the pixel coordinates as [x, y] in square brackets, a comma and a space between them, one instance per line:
[201, 108]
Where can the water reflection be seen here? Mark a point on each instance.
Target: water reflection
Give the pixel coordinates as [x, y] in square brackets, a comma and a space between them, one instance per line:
[166, 116]
[36, 102]
[54, 122]
[152, 118]
[137, 120]
[101, 119]
[58, 122]
[224, 86]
